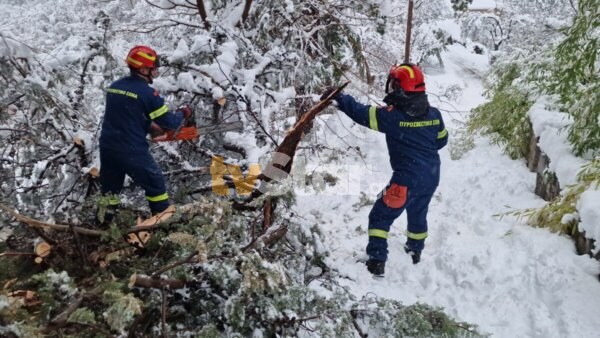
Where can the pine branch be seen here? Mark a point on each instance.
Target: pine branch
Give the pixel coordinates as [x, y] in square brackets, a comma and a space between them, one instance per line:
[38, 224]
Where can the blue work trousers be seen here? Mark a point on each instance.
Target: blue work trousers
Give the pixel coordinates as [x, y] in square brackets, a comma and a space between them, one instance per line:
[394, 199]
[141, 167]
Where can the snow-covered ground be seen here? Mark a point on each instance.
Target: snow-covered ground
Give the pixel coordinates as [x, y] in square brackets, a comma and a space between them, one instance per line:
[508, 278]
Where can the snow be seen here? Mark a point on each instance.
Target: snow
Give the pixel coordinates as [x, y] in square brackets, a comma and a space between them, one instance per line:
[180, 52]
[589, 211]
[483, 4]
[480, 264]
[550, 127]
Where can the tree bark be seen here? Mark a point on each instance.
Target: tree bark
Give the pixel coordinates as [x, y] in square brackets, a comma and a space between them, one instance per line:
[202, 12]
[246, 10]
[38, 224]
[268, 238]
[154, 283]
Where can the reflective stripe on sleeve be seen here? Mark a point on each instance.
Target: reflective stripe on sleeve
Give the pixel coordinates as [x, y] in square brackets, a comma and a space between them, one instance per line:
[419, 236]
[378, 233]
[159, 112]
[122, 92]
[159, 198]
[442, 133]
[373, 118]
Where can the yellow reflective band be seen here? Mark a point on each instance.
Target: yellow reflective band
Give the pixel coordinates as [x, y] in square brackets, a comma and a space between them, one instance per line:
[373, 118]
[412, 235]
[378, 233]
[411, 72]
[122, 92]
[442, 133]
[147, 56]
[159, 112]
[134, 61]
[159, 198]
[418, 124]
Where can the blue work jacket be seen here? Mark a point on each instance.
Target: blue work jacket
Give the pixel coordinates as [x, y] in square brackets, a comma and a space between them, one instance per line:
[412, 142]
[131, 106]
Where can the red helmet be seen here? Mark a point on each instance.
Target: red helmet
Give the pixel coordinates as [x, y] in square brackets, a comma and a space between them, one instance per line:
[142, 56]
[409, 76]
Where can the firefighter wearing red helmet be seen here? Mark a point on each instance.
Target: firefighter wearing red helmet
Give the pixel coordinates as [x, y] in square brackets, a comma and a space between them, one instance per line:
[414, 133]
[132, 107]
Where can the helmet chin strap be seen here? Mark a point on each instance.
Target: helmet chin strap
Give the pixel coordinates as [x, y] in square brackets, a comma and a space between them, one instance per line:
[387, 84]
[147, 77]
[392, 85]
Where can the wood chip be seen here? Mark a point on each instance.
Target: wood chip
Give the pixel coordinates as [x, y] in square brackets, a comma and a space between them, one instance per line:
[94, 172]
[138, 239]
[78, 141]
[132, 280]
[10, 283]
[158, 218]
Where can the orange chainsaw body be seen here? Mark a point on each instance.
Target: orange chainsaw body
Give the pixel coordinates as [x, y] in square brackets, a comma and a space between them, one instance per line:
[184, 134]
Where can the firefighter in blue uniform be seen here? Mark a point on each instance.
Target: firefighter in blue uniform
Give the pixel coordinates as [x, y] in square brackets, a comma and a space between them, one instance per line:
[414, 133]
[132, 109]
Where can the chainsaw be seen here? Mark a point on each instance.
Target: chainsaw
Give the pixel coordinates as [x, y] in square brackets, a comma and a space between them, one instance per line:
[187, 132]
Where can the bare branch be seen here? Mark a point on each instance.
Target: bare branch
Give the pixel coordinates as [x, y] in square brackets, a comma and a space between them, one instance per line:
[202, 12]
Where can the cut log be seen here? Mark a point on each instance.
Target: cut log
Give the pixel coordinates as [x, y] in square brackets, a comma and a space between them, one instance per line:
[43, 249]
[155, 283]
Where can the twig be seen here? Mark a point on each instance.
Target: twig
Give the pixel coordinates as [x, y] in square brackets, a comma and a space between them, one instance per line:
[188, 259]
[268, 238]
[60, 320]
[80, 248]
[356, 326]
[154, 283]
[163, 317]
[16, 253]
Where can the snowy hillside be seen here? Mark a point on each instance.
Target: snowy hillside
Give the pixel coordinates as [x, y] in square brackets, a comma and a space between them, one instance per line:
[497, 272]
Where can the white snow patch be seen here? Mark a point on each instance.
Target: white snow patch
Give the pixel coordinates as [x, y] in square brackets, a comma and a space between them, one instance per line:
[589, 212]
[551, 126]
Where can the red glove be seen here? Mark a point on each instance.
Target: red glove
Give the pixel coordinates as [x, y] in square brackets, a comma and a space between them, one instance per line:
[187, 111]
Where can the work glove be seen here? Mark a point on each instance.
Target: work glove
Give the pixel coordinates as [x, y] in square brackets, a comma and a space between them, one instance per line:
[327, 92]
[155, 130]
[187, 111]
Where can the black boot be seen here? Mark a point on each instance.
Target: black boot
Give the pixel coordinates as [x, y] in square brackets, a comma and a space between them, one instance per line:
[377, 268]
[414, 254]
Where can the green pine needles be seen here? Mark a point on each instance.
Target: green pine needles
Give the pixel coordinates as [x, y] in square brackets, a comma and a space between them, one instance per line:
[567, 71]
[504, 117]
[555, 215]
[575, 78]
